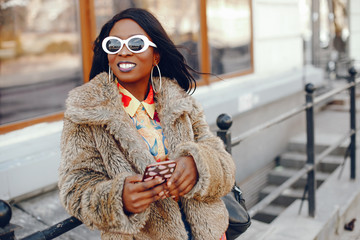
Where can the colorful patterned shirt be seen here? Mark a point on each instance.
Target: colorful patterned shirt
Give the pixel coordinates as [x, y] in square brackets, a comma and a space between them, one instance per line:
[147, 123]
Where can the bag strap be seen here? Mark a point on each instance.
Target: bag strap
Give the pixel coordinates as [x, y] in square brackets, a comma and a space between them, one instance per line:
[238, 195]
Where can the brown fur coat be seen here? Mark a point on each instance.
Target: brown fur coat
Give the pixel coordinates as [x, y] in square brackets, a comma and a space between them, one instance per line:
[100, 147]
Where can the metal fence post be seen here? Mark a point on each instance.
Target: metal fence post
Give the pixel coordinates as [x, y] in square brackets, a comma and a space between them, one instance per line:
[352, 73]
[6, 228]
[310, 147]
[224, 123]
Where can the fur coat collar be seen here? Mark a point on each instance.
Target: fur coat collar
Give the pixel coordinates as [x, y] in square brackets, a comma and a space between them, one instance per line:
[99, 103]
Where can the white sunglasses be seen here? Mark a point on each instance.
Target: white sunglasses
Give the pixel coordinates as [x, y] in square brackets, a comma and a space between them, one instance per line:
[135, 44]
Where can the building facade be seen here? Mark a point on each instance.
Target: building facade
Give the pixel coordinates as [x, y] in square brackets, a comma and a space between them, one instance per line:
[262, 53]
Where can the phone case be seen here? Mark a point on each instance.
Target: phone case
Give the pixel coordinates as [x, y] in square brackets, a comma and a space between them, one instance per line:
[161, 169]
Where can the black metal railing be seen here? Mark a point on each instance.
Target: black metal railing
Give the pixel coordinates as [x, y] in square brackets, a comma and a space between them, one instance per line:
[7, 230]
[55, 230]
[224, 123]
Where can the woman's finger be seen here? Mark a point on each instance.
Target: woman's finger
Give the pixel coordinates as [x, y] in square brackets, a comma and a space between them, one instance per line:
[151, 183]
[154, 193]
[133, 178]
[184, 177]
[177, 174]
[138, 195]
[144, 199]
[183, 188]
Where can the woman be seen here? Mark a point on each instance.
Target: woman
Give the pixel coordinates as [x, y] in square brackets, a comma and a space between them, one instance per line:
[126, 118]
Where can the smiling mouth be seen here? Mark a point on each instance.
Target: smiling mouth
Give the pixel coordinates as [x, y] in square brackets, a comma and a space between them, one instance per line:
[126, 67]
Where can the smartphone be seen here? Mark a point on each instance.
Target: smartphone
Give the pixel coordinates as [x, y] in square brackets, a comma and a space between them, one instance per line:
[163, 170]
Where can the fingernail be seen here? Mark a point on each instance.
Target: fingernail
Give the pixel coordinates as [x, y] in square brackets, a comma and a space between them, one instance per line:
[161, 193]
[169, 184]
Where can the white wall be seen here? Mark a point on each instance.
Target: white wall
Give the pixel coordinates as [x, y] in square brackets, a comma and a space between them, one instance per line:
[29, 159]
[355, 31]
[277, 36]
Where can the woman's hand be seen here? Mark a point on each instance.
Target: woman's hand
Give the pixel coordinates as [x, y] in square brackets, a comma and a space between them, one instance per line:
[138, 195]
[184, 177]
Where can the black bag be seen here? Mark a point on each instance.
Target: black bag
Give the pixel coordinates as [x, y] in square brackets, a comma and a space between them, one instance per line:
[239, 219]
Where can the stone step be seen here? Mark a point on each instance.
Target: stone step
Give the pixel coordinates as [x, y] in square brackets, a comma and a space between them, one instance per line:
[322, 142]
[279, 175]
[269, 213]
[257, 230]
[287, 197]
[297, 161]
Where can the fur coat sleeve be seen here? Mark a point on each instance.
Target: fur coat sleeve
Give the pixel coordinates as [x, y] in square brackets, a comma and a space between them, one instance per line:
[215, 165]
[93, 168]
[86, 189]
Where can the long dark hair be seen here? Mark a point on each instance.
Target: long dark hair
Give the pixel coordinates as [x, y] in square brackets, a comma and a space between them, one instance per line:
[172, 63]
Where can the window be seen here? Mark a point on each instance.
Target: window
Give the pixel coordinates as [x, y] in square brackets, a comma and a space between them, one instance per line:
[40, 58]
[229, 35]
[182, 23]
[325, 38]
[213, 35]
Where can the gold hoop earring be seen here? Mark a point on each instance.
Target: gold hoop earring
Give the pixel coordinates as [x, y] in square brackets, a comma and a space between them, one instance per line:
[110, 75]
[152, 81]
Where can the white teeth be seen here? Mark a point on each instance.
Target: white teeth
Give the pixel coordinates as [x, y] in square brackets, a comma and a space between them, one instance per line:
[126, 65]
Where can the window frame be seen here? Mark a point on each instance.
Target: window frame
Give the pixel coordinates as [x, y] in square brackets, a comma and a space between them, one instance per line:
[205, 50]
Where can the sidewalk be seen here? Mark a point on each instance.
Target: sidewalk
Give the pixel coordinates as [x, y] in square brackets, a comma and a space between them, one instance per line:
[38, 213]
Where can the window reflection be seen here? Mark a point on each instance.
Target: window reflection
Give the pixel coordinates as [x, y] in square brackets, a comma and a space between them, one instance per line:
[326, 40]
[229, 33]
[182, 23]
[39, 57]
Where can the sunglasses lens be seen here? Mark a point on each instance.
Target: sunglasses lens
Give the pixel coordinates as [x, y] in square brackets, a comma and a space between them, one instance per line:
[113, 45]
[136, 44]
